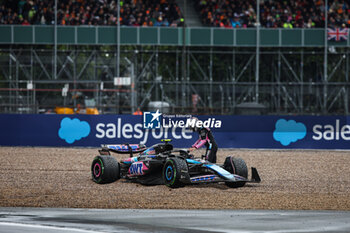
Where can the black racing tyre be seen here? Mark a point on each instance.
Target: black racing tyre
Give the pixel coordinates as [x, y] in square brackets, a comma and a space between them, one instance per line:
[236, 166]
[105, 169]
[172, 172]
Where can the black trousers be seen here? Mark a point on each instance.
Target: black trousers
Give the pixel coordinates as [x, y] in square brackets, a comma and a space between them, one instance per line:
[212, 154]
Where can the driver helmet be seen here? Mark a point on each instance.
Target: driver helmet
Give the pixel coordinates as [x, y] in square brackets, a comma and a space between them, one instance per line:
[194, 128]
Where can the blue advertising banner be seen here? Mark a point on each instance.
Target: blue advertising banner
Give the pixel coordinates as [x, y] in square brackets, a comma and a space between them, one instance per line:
[312, 132]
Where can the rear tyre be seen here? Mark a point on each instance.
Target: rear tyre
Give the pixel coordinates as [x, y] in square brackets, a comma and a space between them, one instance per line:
[105, 169]
[236, 166]
[172, 172]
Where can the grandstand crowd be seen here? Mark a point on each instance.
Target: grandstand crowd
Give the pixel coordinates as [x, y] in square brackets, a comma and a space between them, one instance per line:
[273, 13]
[91, 12]
[215, 13]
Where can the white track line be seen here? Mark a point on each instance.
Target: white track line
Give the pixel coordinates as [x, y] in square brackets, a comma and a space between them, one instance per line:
[45, 227]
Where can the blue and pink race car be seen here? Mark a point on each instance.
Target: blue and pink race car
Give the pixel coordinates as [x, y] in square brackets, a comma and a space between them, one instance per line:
[162, 164]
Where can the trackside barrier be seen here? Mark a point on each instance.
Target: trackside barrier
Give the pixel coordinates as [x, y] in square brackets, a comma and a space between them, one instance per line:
[312, 132]
[165, 36]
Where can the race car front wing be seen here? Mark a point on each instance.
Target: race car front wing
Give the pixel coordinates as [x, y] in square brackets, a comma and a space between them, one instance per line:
[221, 175]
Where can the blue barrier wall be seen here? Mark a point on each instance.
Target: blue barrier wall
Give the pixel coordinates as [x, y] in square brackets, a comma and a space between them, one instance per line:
[322, 132]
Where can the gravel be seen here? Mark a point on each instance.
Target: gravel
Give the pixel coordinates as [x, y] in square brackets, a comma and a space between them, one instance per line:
[291, 179]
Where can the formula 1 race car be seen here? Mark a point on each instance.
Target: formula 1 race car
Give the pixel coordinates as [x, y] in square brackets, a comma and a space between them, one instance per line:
[161, 164]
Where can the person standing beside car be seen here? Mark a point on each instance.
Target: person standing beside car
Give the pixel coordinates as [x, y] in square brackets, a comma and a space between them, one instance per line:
[206, 139]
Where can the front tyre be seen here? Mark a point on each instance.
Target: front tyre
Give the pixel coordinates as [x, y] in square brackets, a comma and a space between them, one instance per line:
[105, 169]
[236, 166]
[172, 172]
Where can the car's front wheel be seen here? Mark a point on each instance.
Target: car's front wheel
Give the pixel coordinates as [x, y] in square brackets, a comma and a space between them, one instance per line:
[236, 166]
[172, 172]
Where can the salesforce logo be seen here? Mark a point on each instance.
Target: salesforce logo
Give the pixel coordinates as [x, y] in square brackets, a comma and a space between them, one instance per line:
[290, 131]
[72, 130]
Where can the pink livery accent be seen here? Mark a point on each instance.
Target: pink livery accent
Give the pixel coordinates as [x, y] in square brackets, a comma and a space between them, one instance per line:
[200, 142]
[98, 166]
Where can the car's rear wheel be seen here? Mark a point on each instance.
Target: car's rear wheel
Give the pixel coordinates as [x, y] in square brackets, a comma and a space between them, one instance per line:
[172, 172]
[105, 169]
[236, 166]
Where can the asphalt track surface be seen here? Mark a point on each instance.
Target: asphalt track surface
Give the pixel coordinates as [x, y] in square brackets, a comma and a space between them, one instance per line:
[15, 220]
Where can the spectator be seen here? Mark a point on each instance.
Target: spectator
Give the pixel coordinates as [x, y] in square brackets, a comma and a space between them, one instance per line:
[287, 25]
[137, 112]
[236, 23]
[25, 22]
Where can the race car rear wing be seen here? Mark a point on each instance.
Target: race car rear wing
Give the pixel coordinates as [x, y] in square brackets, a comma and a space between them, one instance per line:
[122, 149]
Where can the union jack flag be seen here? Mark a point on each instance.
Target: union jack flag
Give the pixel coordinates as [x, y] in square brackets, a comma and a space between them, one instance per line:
[337, 34]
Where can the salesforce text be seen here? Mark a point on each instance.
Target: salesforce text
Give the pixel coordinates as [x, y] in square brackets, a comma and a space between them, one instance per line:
[128, 131]
[331, 132]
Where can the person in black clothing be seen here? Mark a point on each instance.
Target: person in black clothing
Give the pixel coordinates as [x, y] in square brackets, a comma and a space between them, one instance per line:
[206, 138]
